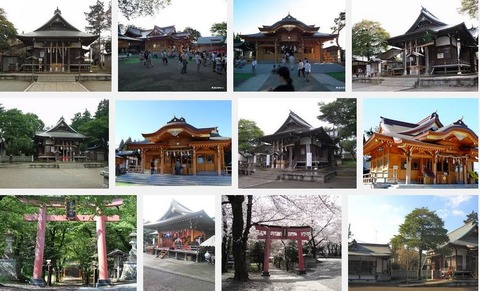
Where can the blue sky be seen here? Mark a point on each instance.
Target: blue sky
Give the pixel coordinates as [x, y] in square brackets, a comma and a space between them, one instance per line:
[248, 15]
[134, 117]
[376, 218]
[415, 109]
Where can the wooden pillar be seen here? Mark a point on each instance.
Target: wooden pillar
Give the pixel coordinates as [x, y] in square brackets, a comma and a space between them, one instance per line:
[301, 266]
[194, 160]
[37, 279]
[266, 256]
[465, 172]
[162, 161]
[290, 157]
[103, 279]
[275, 53]
[282, 164]
[405, 59]
[409, 168]
[143, 157]
[434, 168]
[219, 164]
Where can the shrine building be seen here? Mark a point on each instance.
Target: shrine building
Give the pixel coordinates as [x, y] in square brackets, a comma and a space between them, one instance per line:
[57, 46]
[196, 149]
[462, 255]
[296, 144]
[291, 36]
[59, 143]
[431, 46]
[425, 152]
[181, 231]
[157, 39]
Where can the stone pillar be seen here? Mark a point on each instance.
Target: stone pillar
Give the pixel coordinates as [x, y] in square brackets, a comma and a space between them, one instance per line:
[130, 267]
[37, 279]
[103, 279]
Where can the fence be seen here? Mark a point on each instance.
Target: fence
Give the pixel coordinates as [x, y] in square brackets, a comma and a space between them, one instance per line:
[412, 274]
[16, 159]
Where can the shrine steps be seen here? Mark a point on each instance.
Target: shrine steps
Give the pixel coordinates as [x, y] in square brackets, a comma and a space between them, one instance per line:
[56, 78]
[402, 82]
[320, 176]
[175, 180]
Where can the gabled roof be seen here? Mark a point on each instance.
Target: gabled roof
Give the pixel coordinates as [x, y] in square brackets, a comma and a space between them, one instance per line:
[466, 235]
[369, 249]
[61, 131]
[58, 27]
[179, 217]
[427, 27]
[293, 121]
[288, 22]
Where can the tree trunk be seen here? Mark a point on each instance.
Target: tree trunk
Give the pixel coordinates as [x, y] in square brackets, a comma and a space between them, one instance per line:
[224, 245]
[238, 248]
[419, 268]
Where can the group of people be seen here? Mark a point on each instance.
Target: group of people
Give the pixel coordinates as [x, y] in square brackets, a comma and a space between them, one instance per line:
[305, 68]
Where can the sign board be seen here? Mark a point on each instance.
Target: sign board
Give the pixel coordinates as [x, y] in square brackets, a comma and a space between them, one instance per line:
[71, 209]
[309, 160]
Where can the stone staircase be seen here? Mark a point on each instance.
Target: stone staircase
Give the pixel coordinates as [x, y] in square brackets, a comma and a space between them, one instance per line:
[321, 176]
[56, 78]
[175, 180]
[400, 82]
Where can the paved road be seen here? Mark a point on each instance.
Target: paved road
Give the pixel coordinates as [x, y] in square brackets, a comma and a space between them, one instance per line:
[156, 280]
[51, 178]
[20, 86]
[394, 288]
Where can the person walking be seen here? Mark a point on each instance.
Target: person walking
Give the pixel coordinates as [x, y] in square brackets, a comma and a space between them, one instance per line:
[198, 61]
[286, 81]
[308, 70]
[301, 68]
[254, 67]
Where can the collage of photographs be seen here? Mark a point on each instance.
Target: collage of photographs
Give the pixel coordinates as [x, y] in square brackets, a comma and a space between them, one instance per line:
[135, 132]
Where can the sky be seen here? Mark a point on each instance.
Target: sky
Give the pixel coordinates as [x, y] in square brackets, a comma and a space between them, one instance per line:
[415, 109]
[28, 15]
[270, 113]
[155, 206]
[184, 13]
[49, 110]
[376, 218]
[134, 117]
[248, 15]
[398, 19]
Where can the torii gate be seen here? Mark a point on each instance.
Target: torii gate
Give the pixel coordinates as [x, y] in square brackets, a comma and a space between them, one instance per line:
[71, 215]
[284, 235]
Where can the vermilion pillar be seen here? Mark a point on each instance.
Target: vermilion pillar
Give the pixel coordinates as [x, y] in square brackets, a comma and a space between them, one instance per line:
[266, 257]
[37, 278]
[301, 266]
[102, 252]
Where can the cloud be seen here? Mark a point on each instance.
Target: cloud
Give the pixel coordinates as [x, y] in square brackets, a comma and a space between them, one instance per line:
[458, 212]
[443, 213]
[456, 201]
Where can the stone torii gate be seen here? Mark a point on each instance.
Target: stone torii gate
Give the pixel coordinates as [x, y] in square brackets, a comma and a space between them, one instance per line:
[71, 215]
[284, 230]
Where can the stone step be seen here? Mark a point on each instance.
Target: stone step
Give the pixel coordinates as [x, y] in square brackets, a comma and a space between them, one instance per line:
[175, 180]
[406, 82]
[56, 78]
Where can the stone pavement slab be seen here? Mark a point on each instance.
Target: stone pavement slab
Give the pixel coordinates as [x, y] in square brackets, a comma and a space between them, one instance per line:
[13, 85]
[56, 87]
[200, 271]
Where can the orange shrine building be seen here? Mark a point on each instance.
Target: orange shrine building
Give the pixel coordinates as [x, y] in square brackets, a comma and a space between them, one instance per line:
[425, 152]
[291, 36]
[197, 150]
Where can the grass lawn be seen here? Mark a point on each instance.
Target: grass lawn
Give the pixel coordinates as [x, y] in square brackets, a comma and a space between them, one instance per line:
[338, 75]
[131, 60]
[239, 78]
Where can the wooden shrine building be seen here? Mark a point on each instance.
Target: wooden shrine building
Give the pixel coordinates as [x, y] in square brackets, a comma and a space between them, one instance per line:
[368, 261]
[426, 152]
[296, 144]
[431, 46]
[60, 143]
[196, 149]
[57, 46]
[462, 259]
[181, 231]
[291, 36]
[159, 39]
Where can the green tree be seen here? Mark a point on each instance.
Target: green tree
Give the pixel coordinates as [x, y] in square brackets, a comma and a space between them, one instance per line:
[18, 130]
[422, 230]
[469, 7]
[80, 119]
[249, 135]
[368, 39]
[7, 31]
[195, 34]
[219, 29]
[472, 217]
[135, 8]
[342, 113]
[339, 24]
[257, 253]
[98, 22]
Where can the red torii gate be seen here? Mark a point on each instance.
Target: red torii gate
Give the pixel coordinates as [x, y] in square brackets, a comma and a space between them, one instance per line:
[42, 218]
[284, 235]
